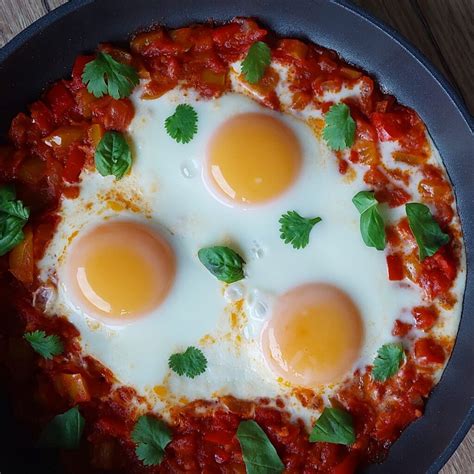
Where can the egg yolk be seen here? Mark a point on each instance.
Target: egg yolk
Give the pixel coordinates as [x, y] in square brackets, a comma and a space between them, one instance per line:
[314, 335]
[253, 158]
[120, 270]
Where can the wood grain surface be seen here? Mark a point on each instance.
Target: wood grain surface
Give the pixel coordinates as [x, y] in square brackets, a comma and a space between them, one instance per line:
[442, 29]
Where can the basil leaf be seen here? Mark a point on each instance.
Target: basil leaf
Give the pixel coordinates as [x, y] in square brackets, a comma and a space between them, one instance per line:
[151, 436]
[13, 217]
[64, 431]
[388, 361]
[428, 234]
[225, 264]
[334, 426]
[372, 226]
[113, 155]
[260, 456]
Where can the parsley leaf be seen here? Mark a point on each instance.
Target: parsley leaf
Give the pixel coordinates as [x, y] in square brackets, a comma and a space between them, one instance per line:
[260, 456]
[225, 264]
[192, 362]
[339, 130]
[388, 361]
[372, 227]
[105, 75]
[426, 230]
[64, 431]
[45, 346]
[113, 155]
[13, 217]
[295, 229]
[334, 426]
[258, 58]
[182, 125]
[151, 436]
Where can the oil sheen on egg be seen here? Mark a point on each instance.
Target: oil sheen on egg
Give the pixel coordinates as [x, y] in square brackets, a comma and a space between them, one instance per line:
[255, 333]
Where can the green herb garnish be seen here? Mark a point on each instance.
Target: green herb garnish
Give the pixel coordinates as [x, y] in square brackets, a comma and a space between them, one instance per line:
[388, 361]
[13, 217]
[257, 60]
[45, 346]
[428, 234]
[295, 229]
[372, 227]
[182, 125]
[113, 155]
[334, 426]
[191, 363]
[224, 263]
[260, 456]
[105, 75]
[64, 431]
[339, 129]
[151, 437]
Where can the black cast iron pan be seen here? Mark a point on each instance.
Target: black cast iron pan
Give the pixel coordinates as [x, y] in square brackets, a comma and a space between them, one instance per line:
[45, 52]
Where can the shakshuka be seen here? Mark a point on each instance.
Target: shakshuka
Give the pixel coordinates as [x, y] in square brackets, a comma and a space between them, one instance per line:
[223, 252]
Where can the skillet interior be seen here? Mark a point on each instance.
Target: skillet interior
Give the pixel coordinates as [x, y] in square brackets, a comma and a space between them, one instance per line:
[46, 51]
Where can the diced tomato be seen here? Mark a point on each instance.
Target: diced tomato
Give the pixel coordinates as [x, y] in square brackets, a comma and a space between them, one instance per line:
[294, 48]
[219, 437]
[60, 100]
[72, 386]
[347, 466]
[78, 70]
[395, 267]
[425, 317]
[21, 259]
[438, 273]
[42, 117]
[95, 134]
[238, 35]
[113, 114]
[32, 170]
[74, 164]
[400, 328]
[389, 126]
[427, 352]
[65, 136]
[19, 129]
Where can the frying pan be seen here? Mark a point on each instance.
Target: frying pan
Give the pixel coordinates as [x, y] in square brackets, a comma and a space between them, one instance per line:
[46, 50]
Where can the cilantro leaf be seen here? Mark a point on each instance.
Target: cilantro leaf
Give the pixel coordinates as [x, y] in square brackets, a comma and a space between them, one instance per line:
[13, 217]
[45, 346]
[105, 75]
[334, 426]
[260, 456]
[339, 130]
[258, 58]
[224, 263]
[191, 363]
[113, 155]
[182, 125]
[295, 229]
[428, 234]
[372, 226]
[388, 361]
[151, 436]
[64, 431]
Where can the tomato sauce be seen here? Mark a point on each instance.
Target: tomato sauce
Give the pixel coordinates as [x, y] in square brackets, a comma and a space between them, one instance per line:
[51, 144]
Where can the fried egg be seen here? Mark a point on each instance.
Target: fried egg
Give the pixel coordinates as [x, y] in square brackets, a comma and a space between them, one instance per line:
[123, 264]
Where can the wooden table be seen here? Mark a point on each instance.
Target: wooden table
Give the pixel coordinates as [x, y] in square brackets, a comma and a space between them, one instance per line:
[442, 29]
